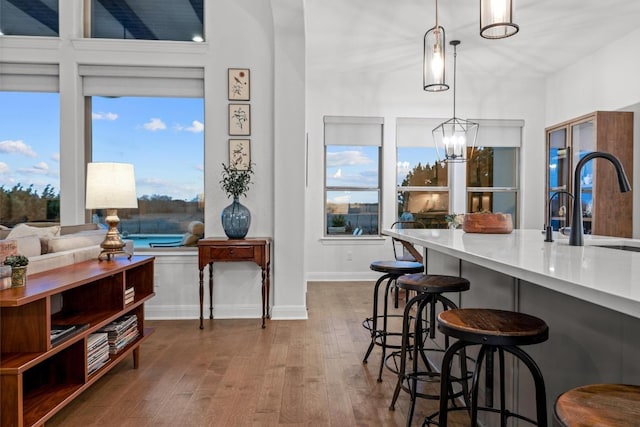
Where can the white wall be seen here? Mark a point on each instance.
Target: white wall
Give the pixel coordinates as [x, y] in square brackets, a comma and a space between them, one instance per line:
[606, 80]
[240, 33]
[399, 94]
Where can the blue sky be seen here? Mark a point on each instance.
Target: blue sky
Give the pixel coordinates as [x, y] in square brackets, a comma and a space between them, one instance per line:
[162, 137]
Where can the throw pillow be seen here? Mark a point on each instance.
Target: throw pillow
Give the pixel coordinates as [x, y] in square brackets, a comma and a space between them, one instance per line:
[28, 245]
[44, 233]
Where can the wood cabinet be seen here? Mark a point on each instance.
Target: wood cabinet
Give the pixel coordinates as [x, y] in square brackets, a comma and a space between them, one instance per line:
[606, 211]
[38, 378]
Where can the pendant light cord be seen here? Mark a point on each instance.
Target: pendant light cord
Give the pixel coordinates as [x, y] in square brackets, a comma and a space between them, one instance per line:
[455, 44]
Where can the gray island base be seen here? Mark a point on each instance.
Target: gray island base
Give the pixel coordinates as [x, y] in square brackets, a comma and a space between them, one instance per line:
[588, 295]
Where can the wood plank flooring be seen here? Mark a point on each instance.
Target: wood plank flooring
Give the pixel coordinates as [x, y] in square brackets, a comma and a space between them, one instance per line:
[234, 373]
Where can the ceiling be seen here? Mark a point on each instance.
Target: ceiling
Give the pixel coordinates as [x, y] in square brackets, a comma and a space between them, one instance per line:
[387, 35]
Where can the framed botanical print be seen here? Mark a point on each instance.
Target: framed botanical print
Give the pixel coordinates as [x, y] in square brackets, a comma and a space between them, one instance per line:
[239, 84]
[239, 119]
[240, 153]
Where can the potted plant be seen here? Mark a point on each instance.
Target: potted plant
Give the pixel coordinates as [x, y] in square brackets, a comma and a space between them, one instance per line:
[338, 224]
[236, 217]
[18, 265]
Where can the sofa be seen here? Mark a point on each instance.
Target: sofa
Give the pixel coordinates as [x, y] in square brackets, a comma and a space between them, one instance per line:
[51, 246]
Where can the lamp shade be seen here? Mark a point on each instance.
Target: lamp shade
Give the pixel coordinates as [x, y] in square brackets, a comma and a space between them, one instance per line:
[111, 186]
[433, 60]
[496, 19]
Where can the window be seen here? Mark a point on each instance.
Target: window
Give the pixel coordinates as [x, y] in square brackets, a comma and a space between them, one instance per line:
[29, 157]
[422, 181]
[29, 18]
[492, 170]
[164, 139]
[177, 20]
[352, 175]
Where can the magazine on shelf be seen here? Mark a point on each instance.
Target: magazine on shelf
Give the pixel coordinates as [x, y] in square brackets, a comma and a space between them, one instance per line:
[121, 332]
[60, 333]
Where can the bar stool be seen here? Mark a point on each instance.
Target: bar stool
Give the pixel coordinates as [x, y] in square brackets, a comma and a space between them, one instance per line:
[604, 405]
[392, 270]
[493, 330]
[429, 289]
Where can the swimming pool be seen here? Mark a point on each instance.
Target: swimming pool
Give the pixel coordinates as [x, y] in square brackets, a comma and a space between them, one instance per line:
[141, 241]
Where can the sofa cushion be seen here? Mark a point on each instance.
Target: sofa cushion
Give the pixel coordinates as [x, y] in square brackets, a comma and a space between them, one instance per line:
[44, 233]
[28, 245]
[75, 241]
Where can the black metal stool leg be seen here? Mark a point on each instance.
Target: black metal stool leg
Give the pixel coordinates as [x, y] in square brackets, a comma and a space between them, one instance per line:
[374, 319]
[385, 317]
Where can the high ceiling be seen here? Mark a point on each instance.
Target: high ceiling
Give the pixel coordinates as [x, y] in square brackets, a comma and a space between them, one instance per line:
[387, 35]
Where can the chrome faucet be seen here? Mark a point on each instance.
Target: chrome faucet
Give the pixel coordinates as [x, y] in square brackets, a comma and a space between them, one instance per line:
[549, 229]
[576, 236]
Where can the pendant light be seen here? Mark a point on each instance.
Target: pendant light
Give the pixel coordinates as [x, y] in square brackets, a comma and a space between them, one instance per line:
[496, 19]
[433, 59]
[453, 136]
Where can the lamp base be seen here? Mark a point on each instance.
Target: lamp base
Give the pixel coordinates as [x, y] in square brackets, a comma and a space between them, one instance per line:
[112, 244]
[108, 253]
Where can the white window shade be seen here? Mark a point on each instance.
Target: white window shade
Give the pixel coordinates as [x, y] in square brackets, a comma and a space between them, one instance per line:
[415, 132]
[104, 80]
[499, 133]
[353, 130]
[20, 77]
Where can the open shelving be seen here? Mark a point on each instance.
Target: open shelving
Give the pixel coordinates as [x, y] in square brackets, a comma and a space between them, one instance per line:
[38, 378]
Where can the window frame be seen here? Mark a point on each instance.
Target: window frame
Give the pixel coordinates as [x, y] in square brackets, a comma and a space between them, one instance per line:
[327, 135]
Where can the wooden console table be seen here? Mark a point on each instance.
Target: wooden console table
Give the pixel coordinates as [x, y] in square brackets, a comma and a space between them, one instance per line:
[214, 249]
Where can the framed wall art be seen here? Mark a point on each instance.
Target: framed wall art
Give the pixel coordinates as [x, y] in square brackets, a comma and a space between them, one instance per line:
[240, 153]
[239, 84]
[239, 119]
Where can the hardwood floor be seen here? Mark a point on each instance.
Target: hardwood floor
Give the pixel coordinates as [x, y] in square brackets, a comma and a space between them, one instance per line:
[234, 373]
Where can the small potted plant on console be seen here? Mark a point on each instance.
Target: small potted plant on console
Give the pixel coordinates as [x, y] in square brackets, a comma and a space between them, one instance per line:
[18, 265]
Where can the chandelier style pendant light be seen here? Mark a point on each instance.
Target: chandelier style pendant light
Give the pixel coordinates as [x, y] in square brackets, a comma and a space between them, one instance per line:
[454, 136]
[433, 59]
[496, 19]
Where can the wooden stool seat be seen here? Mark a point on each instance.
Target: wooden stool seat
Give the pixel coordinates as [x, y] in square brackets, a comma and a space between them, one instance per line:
[604, 405]
[397, 268]
[493, 327]
[432, 283]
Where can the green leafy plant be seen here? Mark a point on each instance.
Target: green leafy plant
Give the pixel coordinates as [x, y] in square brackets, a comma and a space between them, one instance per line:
[338, 221]
[235, 182]
[16, 261]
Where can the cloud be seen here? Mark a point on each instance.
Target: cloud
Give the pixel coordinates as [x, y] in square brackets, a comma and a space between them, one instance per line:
[40, 168]
[403, 168]
[155, 124]
[104, 116]
[16, 147]
[4, 168]
[55, 157]
[196, 127]
[338, 174]
[347, 158]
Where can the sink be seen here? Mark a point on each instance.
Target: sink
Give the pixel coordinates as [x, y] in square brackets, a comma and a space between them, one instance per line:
[621, 247]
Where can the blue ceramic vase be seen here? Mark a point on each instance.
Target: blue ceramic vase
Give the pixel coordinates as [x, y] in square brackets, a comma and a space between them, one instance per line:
[236, 220]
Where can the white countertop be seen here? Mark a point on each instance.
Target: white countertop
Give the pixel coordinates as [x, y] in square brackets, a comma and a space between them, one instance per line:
[603, 276]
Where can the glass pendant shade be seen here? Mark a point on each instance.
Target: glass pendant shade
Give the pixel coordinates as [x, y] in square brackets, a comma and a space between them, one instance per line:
[496, 19]
[453, 137]
[433, 60]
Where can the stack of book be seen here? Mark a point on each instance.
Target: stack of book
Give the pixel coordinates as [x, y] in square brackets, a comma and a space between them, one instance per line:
[97, 351]
[129, 295]
[121, 332]
[5, 277]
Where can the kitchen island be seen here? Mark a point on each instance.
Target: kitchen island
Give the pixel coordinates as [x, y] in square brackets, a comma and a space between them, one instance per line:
[588, 295]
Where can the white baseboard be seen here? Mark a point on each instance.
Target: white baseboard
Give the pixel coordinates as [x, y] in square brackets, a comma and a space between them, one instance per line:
[250, 311]
[289, 312]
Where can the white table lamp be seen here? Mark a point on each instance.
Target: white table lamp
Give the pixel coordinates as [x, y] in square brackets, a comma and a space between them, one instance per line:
[111, 186]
